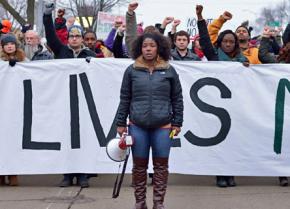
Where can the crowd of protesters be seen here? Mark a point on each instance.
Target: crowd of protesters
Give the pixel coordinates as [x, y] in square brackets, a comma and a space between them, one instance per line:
[64, 39]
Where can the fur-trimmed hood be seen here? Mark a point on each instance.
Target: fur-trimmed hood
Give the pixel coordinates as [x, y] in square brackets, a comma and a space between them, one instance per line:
[19, 55]
[160, 63]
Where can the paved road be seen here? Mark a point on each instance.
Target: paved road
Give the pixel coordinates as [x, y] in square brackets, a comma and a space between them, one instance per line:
[184, 192]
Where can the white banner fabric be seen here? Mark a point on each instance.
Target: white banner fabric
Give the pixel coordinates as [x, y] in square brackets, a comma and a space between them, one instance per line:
[230, 118]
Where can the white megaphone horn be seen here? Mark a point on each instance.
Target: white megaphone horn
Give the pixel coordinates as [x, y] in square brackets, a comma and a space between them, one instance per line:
[118, 148]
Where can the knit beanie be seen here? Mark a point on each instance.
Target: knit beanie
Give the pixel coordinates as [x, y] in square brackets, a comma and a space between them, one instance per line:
[76, 29]
[248, 29]
[7, 38]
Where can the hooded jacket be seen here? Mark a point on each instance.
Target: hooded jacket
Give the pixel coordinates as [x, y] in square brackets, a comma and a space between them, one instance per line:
[150, 99]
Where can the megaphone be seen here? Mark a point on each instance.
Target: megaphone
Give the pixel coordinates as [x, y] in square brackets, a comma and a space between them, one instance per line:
[118, 148]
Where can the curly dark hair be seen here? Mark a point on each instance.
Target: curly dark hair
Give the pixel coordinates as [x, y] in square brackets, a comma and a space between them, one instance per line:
[163, 45]
[182, 33]
[284, 54]
[221, 36]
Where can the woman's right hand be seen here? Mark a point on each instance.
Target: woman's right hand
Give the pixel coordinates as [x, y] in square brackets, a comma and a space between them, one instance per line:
[121, 130]
[132, 7]
[227, 15]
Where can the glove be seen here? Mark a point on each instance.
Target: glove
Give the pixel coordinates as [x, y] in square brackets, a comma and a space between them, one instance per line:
[49, 8]
[12, 62]
[25, 28]
[60, 12]
[1, 26]
[88, 59]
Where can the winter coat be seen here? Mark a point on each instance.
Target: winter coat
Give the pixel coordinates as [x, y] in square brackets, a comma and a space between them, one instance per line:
[60, 50]
[188, 57]
[212, 53]
[61, 29]
[119, 50]
[62, 35]
[110, 39]
[213, 29]
[99, 53]
[19, 56]
[150, 99]
[131, 31]
[264, 55]
[42, 54]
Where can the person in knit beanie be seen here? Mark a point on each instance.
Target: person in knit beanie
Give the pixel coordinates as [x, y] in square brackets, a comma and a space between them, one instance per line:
[12, 53]
[72, 50]
[60, 26]
[10, 49]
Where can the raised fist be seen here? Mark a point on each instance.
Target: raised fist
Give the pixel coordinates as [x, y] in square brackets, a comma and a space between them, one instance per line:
[227, 15]
[198, 9]
[118, 22]
[60, 12]
[132, 7]
[168, 20]
[122, 28]
[176, 23]
[49, 7]
[267, 32]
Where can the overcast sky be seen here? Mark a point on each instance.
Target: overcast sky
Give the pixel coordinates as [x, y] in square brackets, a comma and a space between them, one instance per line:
[152, 11]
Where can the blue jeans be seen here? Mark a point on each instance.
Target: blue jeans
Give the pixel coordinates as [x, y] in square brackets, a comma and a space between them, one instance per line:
[157, 138]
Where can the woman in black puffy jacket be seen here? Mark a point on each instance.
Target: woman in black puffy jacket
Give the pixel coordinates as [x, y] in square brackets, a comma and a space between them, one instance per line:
[152, 97]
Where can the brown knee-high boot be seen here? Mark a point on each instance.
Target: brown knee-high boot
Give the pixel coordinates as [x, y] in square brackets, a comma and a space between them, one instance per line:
[13, 180]
[139, 174]
[160, 176]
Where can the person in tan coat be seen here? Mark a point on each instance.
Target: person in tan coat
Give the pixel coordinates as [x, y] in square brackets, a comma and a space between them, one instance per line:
[12, 53]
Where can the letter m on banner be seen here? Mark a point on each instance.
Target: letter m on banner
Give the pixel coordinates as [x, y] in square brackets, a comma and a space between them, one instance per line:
[279, 114]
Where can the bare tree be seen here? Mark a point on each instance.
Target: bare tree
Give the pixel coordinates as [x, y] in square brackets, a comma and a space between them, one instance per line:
[19, 6]
[89, 8]
[16, 9]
